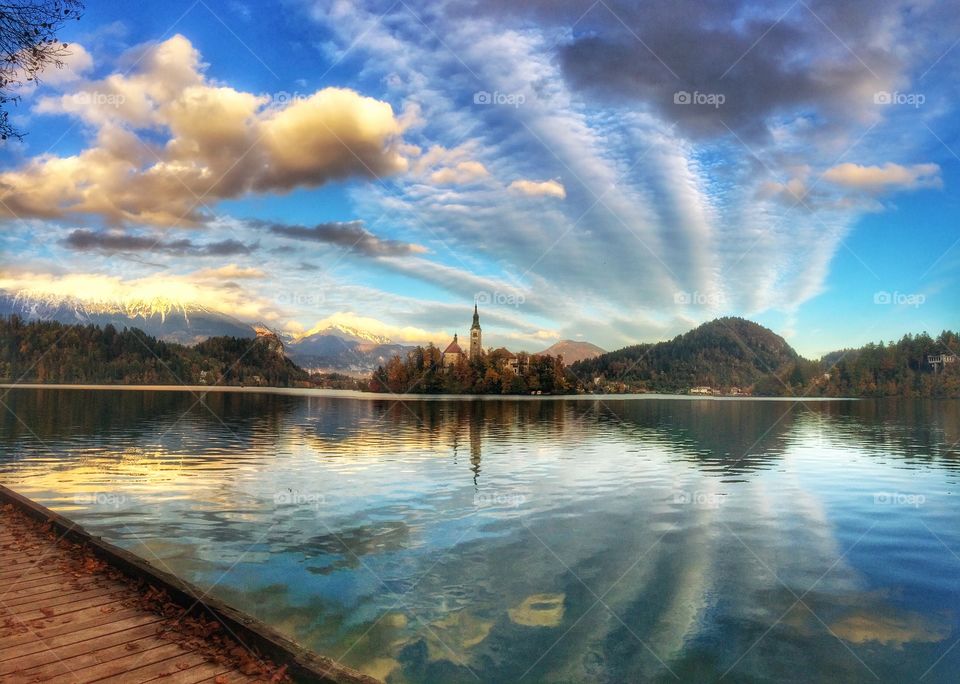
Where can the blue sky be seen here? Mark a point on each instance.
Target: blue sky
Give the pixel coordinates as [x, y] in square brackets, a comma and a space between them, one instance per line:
[600, 171]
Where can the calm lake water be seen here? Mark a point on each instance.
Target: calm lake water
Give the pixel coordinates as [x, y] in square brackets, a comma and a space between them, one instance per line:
[542, 541]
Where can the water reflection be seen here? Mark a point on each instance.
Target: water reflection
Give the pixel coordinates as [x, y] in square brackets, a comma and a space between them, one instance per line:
[607, 540]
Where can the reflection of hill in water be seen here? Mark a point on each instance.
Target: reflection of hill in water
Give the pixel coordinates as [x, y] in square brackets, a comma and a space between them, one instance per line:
[720, 436]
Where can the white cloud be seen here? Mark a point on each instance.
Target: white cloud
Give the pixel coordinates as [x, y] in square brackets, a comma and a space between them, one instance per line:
[220, 143]
[548, 188]
[462, 174]
[231, 272]
[888, 177]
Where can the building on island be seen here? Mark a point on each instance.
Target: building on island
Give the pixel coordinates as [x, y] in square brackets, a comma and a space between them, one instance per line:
[453, 354]
[509, 359]
[499, 358]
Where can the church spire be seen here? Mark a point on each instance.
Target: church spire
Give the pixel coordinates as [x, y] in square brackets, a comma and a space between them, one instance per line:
[475, 340]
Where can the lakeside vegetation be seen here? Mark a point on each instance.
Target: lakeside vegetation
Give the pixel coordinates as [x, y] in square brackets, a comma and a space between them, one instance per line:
[422, 371]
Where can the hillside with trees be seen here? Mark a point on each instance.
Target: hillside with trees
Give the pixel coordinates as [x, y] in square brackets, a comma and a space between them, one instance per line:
[735, 353]
[894, 369]
[725, 353]
[50, 352]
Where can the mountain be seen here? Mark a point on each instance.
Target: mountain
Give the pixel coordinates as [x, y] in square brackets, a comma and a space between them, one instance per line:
[573, 351]
[160, 318]
[343, 348]
[727, 352]
[346, 332]
[332, 348]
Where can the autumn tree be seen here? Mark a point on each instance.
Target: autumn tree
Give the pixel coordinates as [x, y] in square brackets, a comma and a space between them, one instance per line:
[28, 45]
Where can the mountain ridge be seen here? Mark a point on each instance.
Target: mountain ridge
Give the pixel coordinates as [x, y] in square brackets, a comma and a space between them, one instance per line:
[573, 350]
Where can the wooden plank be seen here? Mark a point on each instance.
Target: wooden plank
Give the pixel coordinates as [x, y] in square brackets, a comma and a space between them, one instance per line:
[48, 613]
[78, 632]
[88, 660]
[123, 667]
[159, 669]
[67, 624]
[64, 652]
[59, 598]
[33, 582]
[199, 673]
[63, 600]
[15, 580]
[54, 584]
[27, 573]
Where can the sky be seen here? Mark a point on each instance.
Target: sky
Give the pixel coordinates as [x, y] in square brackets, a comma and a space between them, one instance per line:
[609, 171]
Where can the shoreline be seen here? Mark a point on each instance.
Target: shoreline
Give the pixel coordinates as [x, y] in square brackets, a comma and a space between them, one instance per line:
[382, 396]
[255, 637]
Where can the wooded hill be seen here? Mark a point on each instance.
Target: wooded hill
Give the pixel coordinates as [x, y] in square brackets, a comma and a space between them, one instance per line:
[736, 353]
[44, 351]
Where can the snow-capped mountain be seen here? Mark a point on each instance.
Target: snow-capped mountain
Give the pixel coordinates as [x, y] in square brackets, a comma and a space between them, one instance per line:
[161, 318]
[345, 332]
[342, 348]
[334, 347]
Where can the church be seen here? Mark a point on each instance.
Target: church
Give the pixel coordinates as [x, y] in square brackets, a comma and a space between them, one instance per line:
[454, 353]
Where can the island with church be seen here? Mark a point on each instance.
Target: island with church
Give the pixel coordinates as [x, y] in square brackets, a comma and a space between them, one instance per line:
[429, 370]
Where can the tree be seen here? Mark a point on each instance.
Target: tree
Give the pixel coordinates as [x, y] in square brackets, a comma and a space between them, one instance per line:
[28, 45]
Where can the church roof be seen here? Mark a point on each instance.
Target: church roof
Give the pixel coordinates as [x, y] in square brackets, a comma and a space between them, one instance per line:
[453, 347]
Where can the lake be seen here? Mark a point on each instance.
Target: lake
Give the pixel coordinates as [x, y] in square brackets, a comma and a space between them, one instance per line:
[601, 540]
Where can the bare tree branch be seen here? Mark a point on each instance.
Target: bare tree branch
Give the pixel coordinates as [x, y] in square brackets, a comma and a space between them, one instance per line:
[28, 45]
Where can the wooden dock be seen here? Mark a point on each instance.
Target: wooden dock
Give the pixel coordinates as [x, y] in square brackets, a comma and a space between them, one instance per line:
[75, 609]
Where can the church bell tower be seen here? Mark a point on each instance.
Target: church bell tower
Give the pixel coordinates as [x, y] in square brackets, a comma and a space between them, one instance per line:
[475, 342]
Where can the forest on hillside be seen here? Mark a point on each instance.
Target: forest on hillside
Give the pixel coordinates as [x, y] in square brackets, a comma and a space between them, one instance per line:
[725, 353]
[50, 352]
[732, 353]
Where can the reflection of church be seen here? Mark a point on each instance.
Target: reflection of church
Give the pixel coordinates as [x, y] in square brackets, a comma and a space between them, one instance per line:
[469, 419]
[454, 354]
